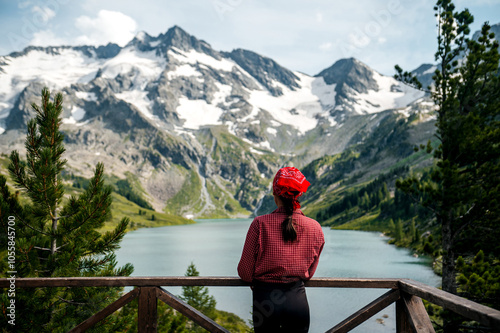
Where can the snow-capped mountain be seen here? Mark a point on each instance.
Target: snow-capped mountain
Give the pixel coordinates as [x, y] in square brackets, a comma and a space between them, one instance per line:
[163, 106]
[177, 82]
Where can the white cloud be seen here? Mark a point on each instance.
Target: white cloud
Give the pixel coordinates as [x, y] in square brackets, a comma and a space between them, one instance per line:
[325, 46]
[43, 14]
[46, 38]
[23, 4]
[319, 17]
[108, 26]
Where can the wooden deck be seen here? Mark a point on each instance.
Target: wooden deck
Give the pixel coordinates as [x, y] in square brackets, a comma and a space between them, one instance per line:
[407, 294]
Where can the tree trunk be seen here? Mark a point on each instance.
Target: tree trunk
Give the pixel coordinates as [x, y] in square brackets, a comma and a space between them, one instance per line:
[53, 247]
[449, 273]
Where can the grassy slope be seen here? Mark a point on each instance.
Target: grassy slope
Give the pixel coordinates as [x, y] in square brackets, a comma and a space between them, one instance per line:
[120, 208]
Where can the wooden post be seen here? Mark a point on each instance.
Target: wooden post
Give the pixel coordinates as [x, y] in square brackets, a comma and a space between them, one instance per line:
[417, 315]
[148, 314]
[402, 323]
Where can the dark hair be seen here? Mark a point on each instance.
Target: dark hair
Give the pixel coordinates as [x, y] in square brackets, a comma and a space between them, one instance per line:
[287, 227]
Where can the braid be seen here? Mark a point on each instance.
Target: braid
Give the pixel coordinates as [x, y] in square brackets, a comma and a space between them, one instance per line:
[288, 229]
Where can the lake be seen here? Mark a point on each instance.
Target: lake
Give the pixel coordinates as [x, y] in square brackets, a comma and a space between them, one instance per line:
[215, 246]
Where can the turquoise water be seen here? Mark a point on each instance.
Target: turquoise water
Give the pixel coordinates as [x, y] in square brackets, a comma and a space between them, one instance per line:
[214, 246]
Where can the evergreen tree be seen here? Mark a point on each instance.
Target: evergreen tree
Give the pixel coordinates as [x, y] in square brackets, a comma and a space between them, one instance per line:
[56, 236]
[412, 231]
[479, 280]
[463, 191]
[198, 297]
[398, 231]
[392, 227]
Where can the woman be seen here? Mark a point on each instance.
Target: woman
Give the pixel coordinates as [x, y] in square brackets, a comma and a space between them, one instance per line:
[281, 251]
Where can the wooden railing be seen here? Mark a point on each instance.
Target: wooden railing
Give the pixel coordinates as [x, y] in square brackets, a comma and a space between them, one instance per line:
[410, 312]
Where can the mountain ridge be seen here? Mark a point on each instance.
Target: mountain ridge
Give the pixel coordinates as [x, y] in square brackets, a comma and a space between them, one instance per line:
[178, 115]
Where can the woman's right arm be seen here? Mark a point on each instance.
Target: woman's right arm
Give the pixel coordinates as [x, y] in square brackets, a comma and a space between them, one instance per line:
[246, 267]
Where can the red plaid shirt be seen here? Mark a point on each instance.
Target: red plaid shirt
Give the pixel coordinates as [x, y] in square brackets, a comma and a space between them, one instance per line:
[266, 257]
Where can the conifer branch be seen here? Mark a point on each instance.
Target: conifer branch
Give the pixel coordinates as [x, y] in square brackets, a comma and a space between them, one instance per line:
[70, 301]
[32, 228]
[41, 248]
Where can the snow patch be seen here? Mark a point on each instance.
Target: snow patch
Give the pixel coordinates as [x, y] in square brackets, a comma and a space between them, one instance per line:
[155, 43]
[88, 96]
[194, 57]
[255, 151]
[265, 145]
[326, 93]
[77, 114]
[390, 95]
[142, 65]
[272, 131]
[297, 108]
[274, 123]
[220, 97]
[198, 113]
[139, 99]
[431, 70]
[57, 70]
[183, 70]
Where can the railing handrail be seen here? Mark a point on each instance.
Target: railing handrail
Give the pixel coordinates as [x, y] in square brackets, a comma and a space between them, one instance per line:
[209, 281]
[469, 309]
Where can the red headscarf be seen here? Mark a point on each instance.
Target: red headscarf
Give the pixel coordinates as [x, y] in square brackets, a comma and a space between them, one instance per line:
[290, 183]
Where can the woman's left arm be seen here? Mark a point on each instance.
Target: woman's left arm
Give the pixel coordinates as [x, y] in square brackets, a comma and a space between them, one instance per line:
[314, 265]
[246, 267]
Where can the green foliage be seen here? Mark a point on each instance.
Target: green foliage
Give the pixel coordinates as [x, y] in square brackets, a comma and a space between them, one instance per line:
[198, 296]
[479, 279]
[358, 202]
[468, 130]
[56, 237]
[125, 189]
[463, 189]
[189, 193]
[121, 208]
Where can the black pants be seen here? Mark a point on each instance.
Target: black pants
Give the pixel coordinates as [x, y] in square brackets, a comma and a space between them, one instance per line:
[280, 307]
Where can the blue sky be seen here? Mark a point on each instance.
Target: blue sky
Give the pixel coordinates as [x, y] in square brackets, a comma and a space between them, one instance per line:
[306, 36]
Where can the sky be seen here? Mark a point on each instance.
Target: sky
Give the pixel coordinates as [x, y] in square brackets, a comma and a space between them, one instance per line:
[306, 36]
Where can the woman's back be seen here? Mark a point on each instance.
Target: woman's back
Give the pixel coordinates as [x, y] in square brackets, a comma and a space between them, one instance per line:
[280, 261]
[281, 251]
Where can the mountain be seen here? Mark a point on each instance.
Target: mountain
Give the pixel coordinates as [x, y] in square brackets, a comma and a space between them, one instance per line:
[199, 131]
[425, 72]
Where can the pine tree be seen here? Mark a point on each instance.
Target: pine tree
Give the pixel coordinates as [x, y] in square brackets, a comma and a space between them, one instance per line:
[198, 296]
[392, 227]
[463, 191]
[412, 231]
[398, 231]
[56, 236]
